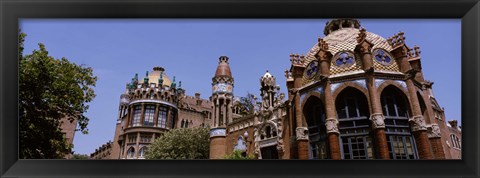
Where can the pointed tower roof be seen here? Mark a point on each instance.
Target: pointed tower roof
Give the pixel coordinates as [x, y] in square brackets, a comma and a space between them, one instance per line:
[223, 68]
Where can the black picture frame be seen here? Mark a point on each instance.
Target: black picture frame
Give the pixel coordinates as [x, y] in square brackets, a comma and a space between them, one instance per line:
[12, 11]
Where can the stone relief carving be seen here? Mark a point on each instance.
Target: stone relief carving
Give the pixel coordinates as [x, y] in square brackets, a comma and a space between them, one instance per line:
[302, 133]
[217, 132]
[332, 125]
[434, 131]
[378, 120]
[417, 123]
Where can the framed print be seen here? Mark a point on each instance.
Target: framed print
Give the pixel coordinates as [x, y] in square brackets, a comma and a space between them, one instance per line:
[179, 89]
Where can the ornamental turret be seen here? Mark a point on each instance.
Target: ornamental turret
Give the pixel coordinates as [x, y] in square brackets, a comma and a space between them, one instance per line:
[222, 99]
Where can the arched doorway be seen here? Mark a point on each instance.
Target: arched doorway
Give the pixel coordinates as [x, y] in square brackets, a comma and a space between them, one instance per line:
[356, 141]
[313, 111]
[401, 144]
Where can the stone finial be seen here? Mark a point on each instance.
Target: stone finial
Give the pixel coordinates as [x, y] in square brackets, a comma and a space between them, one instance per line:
[362, 35]
[322, 45]
[453, 123]
[297, 59]
[288, 74]
[396, 40]
[414, 53]
[174, 85]
[179, 84]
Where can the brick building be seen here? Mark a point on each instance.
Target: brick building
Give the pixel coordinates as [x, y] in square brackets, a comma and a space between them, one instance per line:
[354, 95]
[103, 152]
[150, 107]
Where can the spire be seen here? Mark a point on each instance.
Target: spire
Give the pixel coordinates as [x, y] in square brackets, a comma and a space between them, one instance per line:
[174, 85]
[160, 79]
[145, 80]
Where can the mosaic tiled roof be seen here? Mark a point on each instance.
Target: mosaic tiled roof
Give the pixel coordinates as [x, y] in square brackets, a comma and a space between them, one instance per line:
[345, 39]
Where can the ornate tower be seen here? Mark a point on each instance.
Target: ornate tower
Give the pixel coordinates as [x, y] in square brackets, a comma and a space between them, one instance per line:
[222, 98]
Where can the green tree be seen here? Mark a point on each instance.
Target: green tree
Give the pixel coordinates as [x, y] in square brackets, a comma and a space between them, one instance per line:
[183, 143]
[247, 104]
[238, 154]
[49, 90]
[80, 156]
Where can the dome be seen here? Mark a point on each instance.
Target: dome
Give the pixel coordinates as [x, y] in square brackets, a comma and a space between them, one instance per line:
[345, 39]
[155, 75]
[223, 68]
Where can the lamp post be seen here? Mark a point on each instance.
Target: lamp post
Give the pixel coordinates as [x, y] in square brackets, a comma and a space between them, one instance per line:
[245, 136]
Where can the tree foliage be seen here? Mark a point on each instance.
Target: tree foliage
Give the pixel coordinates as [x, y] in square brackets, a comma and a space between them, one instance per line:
[49, 90]
[183, 143]
[238, 154]
[80, 156]
[247, 104]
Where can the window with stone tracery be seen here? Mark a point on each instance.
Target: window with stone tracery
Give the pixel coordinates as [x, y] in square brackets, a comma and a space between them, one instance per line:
[162, 117]
[354, 125]
[148, 114]
[136, 115]
[401, 144]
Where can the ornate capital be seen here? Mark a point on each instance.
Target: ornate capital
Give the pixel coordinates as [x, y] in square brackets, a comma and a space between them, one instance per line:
[434, 131]
[302, 133]
[417, 123]
[378, 121]
[332, 125]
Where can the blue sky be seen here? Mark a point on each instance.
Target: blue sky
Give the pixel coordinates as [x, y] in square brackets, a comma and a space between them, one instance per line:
[189, 49]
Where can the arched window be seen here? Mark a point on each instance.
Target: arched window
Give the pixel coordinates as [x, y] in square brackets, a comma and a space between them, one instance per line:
[136, 115]
[455, 141]
[401, 144]
[131, 153]
[182, 125]
[148, 114]
[354, 125]
[162, 117]
[317, 132]
[142, 152]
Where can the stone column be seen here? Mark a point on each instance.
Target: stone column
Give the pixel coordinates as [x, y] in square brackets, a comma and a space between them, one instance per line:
[378, 120]
[230, 113]
[130, 116]
[142, 115]
[417, 123]
[435, 137]
[155, 116]
[301, 130]
[332, 123]
[224, 111]
[169, 121]
[137, 145]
